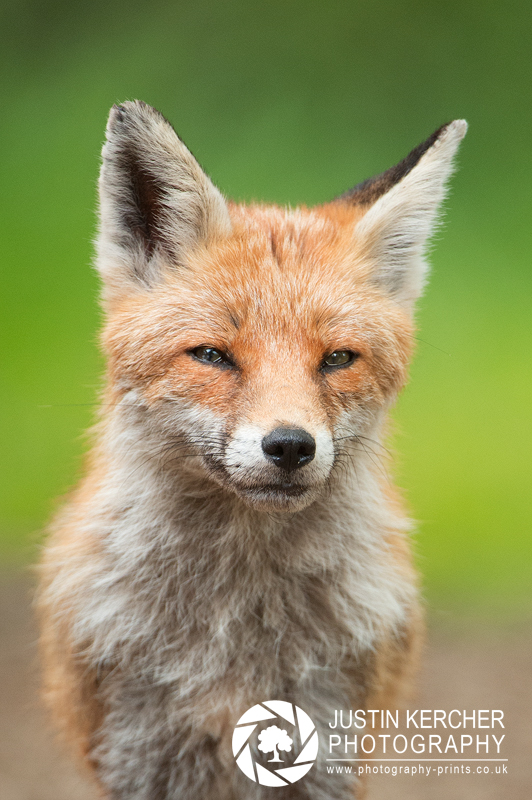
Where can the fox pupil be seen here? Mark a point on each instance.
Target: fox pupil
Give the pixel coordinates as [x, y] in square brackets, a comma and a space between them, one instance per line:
[340, 358]
[209, 354]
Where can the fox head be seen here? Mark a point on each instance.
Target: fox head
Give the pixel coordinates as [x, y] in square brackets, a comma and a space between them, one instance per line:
[259, 342]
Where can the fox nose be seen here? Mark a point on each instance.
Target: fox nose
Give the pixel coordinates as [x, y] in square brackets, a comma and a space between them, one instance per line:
[289, 448]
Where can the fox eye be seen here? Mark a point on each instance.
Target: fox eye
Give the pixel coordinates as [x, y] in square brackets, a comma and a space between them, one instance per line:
[340, 358]
[210, 354]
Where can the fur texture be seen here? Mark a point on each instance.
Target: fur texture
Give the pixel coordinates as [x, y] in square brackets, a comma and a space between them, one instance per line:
[189, 577]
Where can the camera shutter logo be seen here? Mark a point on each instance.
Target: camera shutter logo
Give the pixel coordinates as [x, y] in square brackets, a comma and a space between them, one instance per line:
[275, 740]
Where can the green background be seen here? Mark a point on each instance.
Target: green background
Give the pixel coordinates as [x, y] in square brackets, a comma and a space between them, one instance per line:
[289, 102]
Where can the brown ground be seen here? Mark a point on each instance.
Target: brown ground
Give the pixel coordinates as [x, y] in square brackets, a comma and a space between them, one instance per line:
[479, 670]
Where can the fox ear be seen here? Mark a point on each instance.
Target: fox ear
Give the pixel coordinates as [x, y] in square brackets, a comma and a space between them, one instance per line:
[402, 211]
[156, 203]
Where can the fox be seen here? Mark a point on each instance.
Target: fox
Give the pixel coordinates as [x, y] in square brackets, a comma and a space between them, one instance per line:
[236, 537]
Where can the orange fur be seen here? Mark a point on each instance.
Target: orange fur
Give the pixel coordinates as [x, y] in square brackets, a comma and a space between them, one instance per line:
[176, 591]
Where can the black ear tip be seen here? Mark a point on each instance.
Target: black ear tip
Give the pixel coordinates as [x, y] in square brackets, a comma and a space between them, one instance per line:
[118, 112]
[132, 107]
[117, 115]
[439, 131]
[458, 127]
[134, 110]
[367, 192]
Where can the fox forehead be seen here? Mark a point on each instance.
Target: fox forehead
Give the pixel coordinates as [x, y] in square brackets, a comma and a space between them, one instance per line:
[277, 296]
[283, 279]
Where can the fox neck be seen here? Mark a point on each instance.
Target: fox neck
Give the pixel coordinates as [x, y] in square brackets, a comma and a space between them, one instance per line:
[190, 568]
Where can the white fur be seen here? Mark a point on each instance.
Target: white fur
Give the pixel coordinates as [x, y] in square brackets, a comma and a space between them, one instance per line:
[195, 211]
[245, 460]
[392, 236]
[192, 591]
[187, 601]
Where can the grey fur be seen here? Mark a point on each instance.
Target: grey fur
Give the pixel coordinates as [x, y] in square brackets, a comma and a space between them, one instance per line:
[192, 594]
[187, 604]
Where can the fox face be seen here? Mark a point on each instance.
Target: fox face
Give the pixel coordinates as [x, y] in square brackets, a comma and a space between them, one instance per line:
[259, 345]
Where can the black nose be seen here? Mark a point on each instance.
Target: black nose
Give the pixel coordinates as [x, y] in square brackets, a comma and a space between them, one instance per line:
[289, 448]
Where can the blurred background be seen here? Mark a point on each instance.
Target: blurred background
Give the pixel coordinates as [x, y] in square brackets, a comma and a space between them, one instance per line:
[291, 102]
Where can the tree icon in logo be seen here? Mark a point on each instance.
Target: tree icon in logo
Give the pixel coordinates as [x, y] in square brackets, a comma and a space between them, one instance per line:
[303, 746]
[273, 738]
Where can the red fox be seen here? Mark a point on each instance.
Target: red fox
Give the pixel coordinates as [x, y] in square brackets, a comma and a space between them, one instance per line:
[234, 540]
